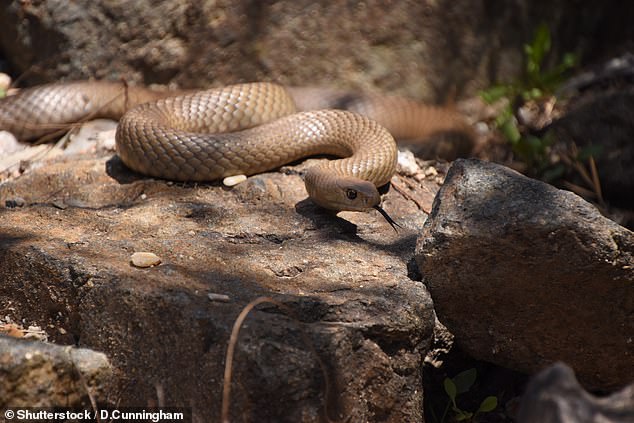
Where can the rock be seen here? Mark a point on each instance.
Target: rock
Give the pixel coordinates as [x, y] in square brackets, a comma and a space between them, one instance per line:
[5, 83]
[218, 297]
[347, 279]
[427, 50]
[145, 259]
[9, 144]
[407, 164]
[14, 202]
[524, 274]
[555, 396]
[37, 374]
[94, 135]
[230, 181]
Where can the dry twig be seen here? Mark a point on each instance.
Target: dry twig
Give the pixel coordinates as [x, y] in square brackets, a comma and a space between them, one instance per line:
[233, 340]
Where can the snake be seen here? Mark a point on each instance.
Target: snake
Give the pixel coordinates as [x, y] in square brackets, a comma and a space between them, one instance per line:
[239, 129]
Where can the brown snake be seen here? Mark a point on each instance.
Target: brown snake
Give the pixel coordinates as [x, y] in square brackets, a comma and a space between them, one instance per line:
[239, 129]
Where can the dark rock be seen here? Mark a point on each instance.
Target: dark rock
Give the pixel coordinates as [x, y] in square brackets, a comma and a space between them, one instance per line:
[602, 125]
[14, 202]
[524, 274]
[555, 396]
[345, 278]
[37, 374]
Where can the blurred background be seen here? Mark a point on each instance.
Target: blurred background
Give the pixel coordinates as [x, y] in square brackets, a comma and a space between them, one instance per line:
[431, 50]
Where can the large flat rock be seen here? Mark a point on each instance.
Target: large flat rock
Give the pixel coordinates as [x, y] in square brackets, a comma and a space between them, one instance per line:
[65, 264]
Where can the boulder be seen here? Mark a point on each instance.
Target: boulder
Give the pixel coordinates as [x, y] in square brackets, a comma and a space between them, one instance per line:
[66, 251]
[524, 274]
[555, 396]
[38, 374]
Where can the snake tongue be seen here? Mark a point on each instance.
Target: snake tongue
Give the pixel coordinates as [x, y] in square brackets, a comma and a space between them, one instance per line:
[387, 217]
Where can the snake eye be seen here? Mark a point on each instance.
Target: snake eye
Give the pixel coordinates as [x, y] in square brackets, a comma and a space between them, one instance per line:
[351, 194]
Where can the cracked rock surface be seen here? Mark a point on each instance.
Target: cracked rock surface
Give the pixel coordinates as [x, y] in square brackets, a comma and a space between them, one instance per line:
[65, 255]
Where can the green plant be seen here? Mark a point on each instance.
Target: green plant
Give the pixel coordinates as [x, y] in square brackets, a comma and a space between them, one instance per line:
[460, 384]
[537, 84]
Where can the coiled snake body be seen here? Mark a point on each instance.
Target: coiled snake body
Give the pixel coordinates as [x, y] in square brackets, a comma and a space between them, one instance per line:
[239, 129]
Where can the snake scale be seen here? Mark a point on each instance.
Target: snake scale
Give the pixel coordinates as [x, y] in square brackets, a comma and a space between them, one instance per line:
[239, 129]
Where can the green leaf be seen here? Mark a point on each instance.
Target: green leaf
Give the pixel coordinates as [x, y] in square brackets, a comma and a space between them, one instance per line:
[3, 93]
[530, 149]
[463, 415]
[569, 61]
[510, 131]
[534, 144]
[532, 69]
[488, 404]
[464, 380]
[450, 389]
[541, 41]
[533, 93]
[550, 80]
[495, 93]
[535, 52]
[505, 114]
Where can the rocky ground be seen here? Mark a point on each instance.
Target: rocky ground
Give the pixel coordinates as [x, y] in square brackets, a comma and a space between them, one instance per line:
[73, 220]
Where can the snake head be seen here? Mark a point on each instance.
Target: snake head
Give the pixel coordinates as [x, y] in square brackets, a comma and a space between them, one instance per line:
[352, 194]
[342, 193]
[345, 194]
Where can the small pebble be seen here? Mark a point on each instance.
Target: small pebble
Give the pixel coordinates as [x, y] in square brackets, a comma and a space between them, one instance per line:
[5, 82]
[107, 139]
[144, 259]
[218, 297]
[407, 163]
[15, 202]
[481, 128]
[9, 144]
[60, 204]
[230, 181]
[431, 171]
